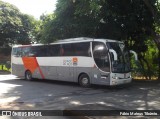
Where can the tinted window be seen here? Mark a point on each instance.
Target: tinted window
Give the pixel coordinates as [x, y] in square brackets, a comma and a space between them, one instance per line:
[67, 50]
[14, 51]
[39, 51]
[71, 49]
[17, 52]
[54, 50]
[25, 51]
[100, 55]
[75, 49]
[82, 49]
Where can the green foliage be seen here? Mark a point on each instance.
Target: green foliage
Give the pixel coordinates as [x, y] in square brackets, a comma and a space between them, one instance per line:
[5, 68]
[148, 67]
[125, 20]
[72, 19]
[132, 21]
[45, 25]
[151, 55]
[15, 27]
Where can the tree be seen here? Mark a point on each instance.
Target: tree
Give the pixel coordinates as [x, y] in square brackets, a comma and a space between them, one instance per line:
[72, 19]
[9, 23]
[44, 33]
[15, 27]
[29, 29]
[156, 32]
[133, 21]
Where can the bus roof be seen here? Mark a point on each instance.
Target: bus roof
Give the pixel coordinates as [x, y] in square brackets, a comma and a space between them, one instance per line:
[27, 45]
[83, 39]
[80, 39]
[72, 40]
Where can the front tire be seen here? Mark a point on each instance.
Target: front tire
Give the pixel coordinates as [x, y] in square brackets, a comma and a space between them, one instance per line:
[28, 75]
[84, 80]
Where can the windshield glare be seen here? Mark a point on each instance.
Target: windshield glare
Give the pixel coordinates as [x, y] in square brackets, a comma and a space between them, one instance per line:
[122, 64]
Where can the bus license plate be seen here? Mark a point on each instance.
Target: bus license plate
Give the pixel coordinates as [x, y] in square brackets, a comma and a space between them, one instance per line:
[125, 81]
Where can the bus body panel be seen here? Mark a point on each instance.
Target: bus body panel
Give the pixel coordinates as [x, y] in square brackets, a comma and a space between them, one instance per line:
[120, 78]
[19, 70]
[99, 77]
[51, 72]
[69, 68]
[36, 74]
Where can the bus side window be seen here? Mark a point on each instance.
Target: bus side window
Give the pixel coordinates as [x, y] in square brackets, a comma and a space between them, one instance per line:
[82, 49]
[40, 51]
[54, 50]
[25, 51]
[89, 51]
[14, 51]
[61, 50]
[17, 52]
[67, 50]
[32, 52]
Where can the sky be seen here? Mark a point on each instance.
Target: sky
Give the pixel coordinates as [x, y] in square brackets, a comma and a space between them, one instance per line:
[34, 7]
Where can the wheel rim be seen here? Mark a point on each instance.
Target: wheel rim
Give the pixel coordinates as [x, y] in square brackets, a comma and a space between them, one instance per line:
[85, 81]
[28, 76]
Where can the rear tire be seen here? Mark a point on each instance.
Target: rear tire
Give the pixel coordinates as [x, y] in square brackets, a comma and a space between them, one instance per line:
[28, 76]
[84, 80]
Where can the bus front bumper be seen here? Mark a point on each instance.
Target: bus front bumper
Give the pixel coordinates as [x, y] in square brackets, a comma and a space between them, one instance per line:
[118, 79]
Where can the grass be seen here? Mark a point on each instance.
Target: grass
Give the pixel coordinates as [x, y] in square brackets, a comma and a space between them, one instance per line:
[4, 68]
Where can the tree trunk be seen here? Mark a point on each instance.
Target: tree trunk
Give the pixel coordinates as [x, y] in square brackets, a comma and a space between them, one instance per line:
[148, 68]
[144, 72]
[157, 41]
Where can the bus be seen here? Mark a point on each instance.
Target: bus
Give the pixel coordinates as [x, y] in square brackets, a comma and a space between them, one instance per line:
[83, 60]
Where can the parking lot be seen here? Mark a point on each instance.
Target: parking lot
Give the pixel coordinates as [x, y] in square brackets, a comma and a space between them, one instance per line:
[52, 95]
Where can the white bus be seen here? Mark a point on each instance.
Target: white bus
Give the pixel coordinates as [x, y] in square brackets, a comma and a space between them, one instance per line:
[83, 60]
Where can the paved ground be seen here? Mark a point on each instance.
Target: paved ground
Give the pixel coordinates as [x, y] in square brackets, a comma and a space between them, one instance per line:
[51, 95]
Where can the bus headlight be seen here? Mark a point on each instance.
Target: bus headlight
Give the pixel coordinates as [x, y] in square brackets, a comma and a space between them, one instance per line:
[115, 77]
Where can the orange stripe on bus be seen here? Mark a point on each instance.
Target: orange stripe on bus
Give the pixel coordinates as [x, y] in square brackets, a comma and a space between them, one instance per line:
[30, 63]
[40, 70]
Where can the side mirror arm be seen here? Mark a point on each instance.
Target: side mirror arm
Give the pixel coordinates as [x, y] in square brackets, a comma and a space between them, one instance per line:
[135, 54]
[114, 54]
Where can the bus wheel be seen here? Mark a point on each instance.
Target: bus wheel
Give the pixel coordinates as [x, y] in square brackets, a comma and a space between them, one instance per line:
[84, 80]
[28, 75]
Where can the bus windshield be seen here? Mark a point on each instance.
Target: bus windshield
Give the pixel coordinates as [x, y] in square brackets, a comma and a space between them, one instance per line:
[122, 65]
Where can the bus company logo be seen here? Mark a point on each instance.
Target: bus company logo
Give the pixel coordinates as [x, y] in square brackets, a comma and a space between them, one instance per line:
[67, 62]
[75, 61]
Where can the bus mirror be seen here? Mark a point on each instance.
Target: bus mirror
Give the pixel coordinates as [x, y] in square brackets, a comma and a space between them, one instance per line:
[114, 54]
[135, 54]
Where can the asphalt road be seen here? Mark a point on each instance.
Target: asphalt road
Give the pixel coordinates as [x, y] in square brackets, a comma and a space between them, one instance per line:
[52, 95]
